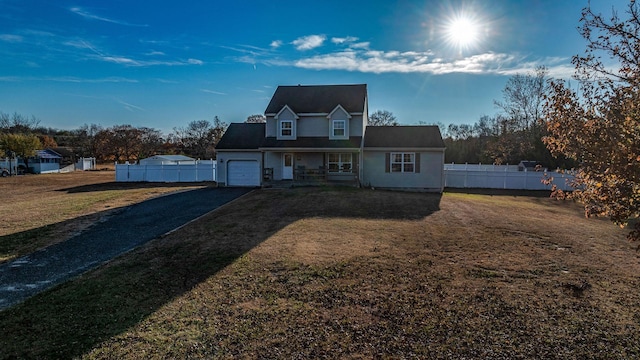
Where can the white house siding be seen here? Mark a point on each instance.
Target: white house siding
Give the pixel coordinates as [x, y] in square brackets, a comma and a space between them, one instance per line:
[355, 125]
[313, 126]
[429, 178]
[271, 127]
[317, 125]
[223, 157]
[273, 160]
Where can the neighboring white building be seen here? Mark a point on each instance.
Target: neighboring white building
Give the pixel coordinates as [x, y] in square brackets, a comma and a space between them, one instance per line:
[86, 164]
[168, 160]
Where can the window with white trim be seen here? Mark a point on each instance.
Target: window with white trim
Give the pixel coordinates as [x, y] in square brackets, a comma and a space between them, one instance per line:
[286, 128]
[338, 128]
[340, 162]
[403, 162]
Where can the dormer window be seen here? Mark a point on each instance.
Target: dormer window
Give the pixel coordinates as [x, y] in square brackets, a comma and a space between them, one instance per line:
[338, 128]
[286, 128]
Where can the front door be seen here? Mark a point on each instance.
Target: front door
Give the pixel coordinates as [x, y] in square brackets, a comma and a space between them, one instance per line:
[287, 166]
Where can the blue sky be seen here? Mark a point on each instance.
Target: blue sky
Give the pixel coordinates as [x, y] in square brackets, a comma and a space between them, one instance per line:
[162, 64]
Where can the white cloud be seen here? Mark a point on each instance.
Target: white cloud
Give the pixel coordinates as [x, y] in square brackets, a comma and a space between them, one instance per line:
[87, 15]
[342, 40]
[360, 45]
[129, 106]
[212, 92]
[276, 44]
[11, 38]
[377, 61]
[195, 62]
[309, 42]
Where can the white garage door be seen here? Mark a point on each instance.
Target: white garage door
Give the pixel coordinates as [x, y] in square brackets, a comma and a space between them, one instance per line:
[243, 173]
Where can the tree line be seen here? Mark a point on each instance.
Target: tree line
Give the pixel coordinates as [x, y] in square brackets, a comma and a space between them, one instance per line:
[514, 134]
[21, 136]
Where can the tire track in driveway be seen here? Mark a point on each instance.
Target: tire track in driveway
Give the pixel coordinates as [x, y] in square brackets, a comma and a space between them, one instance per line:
[119, 233]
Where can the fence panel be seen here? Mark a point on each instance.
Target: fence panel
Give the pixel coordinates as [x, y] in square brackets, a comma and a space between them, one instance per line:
[200, 171]
[495, 177]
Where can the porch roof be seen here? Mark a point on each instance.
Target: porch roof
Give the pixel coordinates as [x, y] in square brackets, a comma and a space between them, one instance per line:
[312, 143]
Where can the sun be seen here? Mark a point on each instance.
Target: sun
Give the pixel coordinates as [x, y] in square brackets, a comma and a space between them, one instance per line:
[462, 32]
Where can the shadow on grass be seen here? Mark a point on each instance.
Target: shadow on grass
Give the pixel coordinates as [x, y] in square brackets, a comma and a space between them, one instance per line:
[22, 243]
[501, 192]
[108, 186]
[71, 319]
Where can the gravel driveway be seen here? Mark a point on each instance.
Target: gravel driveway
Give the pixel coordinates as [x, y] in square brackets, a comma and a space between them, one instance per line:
[119, 233]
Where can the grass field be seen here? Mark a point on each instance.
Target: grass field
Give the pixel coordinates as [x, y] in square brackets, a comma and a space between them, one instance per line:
[335, 273]
[38, 210]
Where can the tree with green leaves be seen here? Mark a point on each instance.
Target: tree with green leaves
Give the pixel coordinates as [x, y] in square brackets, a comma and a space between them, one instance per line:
[20, 145]
[599, 124]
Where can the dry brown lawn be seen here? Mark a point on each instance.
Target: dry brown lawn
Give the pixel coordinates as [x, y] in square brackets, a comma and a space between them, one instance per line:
[38, 210]
[347, 273]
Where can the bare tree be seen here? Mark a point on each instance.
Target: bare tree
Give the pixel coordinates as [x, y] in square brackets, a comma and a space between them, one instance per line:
[17, 123]
[523, 99]
[200, 137]
[382, 118]
[257, 118]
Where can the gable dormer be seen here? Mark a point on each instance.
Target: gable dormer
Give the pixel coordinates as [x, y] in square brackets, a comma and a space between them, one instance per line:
[339, 123]
[286, 124]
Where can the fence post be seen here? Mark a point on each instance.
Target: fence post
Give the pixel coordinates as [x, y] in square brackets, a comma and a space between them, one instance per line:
[466, 174]
[504, 178]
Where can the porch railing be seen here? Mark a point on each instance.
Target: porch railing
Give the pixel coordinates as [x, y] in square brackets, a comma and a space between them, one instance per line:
[322, 174]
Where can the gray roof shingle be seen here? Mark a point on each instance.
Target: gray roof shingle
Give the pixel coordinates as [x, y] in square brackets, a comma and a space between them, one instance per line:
[241, 136]
[403, 137]
[318, 98]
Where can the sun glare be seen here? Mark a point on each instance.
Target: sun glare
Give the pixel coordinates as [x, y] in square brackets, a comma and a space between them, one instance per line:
[462, 32]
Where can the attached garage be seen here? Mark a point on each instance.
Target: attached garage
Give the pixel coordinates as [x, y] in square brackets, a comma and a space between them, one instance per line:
[238, 155]
[243, 173]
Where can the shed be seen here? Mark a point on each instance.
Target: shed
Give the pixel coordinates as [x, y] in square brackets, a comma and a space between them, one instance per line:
[527, 165]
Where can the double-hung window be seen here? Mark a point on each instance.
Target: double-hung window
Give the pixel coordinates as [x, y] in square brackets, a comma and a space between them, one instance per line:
[340, 162]
[286, 128]
[403, 162]
[338, 128]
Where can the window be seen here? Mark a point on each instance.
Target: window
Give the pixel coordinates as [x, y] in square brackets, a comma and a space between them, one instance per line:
[340, 162]
[403, 162]
[286, 128]
[338, 128]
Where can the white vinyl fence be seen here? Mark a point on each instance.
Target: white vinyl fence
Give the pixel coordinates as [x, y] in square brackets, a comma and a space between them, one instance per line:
[501, 177]
[201, 170]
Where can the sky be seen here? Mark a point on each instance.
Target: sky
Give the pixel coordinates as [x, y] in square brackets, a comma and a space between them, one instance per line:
[165, 63]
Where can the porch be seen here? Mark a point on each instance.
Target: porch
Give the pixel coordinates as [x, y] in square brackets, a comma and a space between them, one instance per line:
[311, 169]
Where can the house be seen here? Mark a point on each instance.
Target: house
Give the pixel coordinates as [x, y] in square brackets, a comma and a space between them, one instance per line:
[45, 161]
[320, 133]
